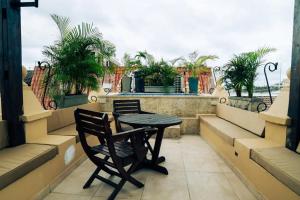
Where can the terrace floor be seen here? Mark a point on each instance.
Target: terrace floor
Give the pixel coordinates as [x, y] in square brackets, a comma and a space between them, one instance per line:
[196, 172]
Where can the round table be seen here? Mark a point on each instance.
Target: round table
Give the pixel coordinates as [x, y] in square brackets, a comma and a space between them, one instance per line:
[156, 121]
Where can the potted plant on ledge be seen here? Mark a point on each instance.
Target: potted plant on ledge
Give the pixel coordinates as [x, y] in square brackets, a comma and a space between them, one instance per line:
[240, 73]
[151, 75]
[159, 77]
[196, 65]
[76, 68]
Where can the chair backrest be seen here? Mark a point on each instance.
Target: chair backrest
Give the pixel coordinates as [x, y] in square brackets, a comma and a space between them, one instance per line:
[127, 106]
[93, 123]
[121, 107]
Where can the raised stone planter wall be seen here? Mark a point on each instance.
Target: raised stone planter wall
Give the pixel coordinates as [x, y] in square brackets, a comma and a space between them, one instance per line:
[179, 105]
[186, 107]
[245, 103]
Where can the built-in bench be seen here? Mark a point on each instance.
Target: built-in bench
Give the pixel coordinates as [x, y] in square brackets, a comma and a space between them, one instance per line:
[255, 148]
[281, 163]
[18, 161]
[233, 123]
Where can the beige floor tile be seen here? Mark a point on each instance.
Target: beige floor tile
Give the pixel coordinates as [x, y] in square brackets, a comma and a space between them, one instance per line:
[128, 191]
[204, 164]
[174, 161]
[73, 183]
[117, 198]
[172, 186]
[191, 139]
[195, 172]
[199, 152]
[209, 186]
[58, 196]
[239, 187]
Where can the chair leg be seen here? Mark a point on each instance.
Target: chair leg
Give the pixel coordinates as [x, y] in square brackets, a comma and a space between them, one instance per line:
[94, 175]
[117, 190]
[135, 182]
[92, 178]
[130, 179]
[149, 146]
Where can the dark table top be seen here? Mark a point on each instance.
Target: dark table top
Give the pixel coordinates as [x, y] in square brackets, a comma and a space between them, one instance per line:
[154, 120]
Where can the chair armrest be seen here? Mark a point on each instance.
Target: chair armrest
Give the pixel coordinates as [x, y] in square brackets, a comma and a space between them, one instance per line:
[126, 134]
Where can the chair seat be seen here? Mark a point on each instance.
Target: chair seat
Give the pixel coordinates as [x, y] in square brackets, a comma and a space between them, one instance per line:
[281, 163]
[16, 162]
[123, 149]
[227, 130]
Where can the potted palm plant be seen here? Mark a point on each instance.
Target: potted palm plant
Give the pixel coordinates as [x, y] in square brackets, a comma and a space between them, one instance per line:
[240, 73]
[196, 65]
[255, 59]
[75, 62]
[234, 73]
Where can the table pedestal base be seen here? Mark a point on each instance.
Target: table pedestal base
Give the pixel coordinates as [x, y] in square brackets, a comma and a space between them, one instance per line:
[154, 166]
[161, 159]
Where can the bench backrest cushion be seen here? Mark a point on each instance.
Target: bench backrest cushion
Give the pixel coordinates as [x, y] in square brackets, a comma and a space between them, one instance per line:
[64, 117]
[242, 118]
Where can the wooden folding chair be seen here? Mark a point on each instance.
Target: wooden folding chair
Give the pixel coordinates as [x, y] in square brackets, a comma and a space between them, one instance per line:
[123, 107]
[114, 152]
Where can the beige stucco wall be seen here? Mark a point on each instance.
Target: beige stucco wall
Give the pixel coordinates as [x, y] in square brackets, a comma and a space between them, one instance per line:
[182, 106]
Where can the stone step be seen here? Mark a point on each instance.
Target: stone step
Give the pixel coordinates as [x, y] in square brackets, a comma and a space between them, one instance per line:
[172, 132]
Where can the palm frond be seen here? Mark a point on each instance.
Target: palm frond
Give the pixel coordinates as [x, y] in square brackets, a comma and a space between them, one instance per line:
[85, 30]
[201, 60]
[63, 24]
[261, 52]
[176, 60]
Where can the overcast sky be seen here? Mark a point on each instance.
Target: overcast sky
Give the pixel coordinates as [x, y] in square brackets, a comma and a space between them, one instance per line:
[169, 29]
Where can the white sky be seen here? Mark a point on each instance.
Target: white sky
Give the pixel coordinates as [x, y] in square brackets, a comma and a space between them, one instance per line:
[169, 29]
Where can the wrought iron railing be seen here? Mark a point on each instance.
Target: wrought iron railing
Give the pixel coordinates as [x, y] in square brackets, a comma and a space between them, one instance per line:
[93, 99]
[271, 67]
[51, 104]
